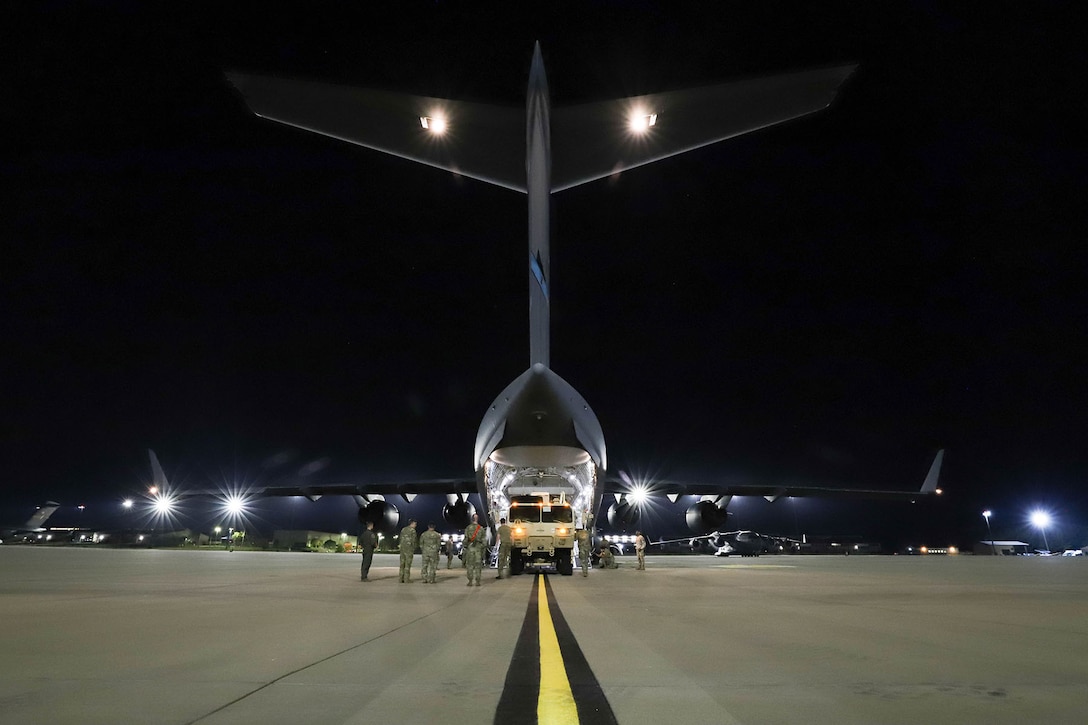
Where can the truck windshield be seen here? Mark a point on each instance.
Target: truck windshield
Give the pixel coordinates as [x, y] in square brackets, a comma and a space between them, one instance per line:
[557, 514]
[536, 513]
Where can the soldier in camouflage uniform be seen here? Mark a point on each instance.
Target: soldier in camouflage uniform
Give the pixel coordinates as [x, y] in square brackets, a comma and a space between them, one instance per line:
[505, 542]
[430, 541]
[473, 548]
[407, 551]
[367, 541]
[585, 551]
[451, 551]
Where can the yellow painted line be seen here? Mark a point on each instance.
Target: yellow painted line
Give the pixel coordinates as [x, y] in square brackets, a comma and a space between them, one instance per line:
[555, 703]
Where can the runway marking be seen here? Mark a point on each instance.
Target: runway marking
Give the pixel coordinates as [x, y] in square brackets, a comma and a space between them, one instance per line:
[555, 704]
[548, 670]
[754, 566]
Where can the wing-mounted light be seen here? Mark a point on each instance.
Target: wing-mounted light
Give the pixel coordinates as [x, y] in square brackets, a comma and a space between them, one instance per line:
[435, 124]
[641, 120]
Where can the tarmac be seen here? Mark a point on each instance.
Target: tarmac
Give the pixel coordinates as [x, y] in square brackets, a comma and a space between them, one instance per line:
[95, 635]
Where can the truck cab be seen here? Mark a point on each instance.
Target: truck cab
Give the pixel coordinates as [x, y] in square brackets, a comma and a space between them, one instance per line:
[543, 533]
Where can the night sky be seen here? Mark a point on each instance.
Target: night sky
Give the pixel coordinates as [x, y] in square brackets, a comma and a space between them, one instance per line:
[828, 301]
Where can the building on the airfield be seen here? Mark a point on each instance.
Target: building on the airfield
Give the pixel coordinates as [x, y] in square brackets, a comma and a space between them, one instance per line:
[1001, 548]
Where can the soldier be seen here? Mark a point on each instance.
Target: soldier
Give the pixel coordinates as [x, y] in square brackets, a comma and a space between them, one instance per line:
[407, 551]
[430, 541]
[451, 551]
[584, 550]
[640, 550]
[473, 548]
[367, 542]
[608, 560]
[505, 543]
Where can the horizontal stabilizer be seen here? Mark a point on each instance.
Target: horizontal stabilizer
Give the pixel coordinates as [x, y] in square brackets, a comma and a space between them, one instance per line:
[480, 141]
[588, 142]
[594, 140]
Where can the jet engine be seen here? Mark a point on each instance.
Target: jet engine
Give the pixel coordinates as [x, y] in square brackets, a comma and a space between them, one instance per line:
[622, 515]
[458, 513]
[707, 515]
[383, 514]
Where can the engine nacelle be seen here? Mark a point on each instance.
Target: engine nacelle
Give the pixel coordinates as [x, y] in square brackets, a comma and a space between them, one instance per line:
[382, 514]
[705, 516]
[458, 514]
[622, 515]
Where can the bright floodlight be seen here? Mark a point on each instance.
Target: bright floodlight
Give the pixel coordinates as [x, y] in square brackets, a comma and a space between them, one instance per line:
[638, 495]
[163, 505]
[234, 505]
[1041, 519]
[987, 514]
[436, 124]
[127, 503]
[640, 121]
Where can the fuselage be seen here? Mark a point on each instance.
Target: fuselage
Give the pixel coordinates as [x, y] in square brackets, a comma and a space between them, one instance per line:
[539, 435]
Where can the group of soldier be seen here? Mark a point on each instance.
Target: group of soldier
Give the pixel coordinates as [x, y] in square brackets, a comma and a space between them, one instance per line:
[474, 547]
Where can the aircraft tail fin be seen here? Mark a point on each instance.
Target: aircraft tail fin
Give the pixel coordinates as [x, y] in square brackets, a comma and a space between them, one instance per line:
[930, 484]
[42, 515]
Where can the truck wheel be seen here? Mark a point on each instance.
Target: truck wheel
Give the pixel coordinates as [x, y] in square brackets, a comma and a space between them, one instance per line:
[564, 564]
[517, 564]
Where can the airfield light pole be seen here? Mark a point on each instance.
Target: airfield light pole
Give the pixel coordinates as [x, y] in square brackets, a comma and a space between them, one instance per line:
[1042, 520]
[986, 515]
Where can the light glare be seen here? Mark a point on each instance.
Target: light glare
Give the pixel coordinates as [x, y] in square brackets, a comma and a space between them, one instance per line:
[639, 495]
[640, 121]
[436, 124]
[163, 504]
[1041, 519]
[235, 505]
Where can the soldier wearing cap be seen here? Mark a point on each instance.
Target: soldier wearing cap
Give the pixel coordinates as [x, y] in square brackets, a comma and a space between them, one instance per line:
[407, 551]
[430, 541]
[473, 547]
[505, 542]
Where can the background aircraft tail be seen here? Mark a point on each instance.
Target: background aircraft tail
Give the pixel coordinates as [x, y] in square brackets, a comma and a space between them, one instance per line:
[158, 478]
[930, 484]
[42, 515]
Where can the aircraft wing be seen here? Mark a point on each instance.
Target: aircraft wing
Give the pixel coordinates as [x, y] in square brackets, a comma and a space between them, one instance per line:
[772, 491]
[593, 141]
[482, 142]
[405, 489]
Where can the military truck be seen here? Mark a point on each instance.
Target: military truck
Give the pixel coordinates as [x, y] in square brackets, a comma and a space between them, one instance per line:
[543, 533]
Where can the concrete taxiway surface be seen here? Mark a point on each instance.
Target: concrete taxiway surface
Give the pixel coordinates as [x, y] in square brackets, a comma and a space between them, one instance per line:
[95, 635]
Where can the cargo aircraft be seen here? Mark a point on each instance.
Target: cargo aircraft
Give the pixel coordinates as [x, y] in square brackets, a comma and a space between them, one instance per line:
[539, 433]
[35, 524]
